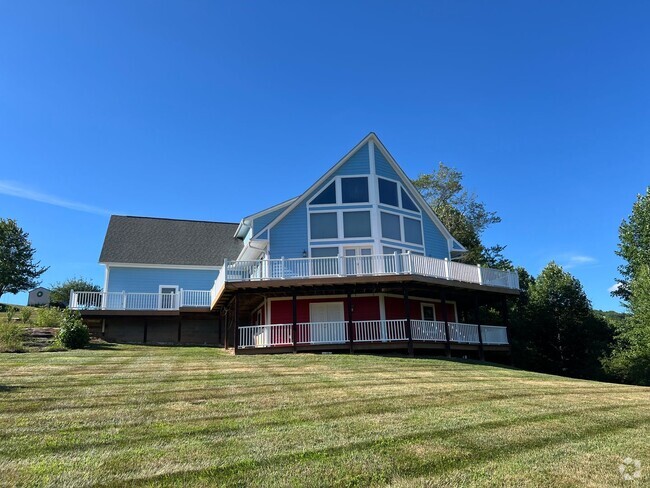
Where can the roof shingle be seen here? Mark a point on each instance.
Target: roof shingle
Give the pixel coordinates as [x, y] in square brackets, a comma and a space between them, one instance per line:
[146, 240]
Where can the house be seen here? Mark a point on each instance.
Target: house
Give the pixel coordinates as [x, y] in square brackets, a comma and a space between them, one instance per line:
[358, 261]
[38, 297]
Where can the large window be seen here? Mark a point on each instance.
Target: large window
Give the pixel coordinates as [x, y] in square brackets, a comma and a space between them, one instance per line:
[390, 228]
[323, 225]
[356, 224]
[412, 231]
[388, 192]
[391, 250]
[328, 195]
[354, 190]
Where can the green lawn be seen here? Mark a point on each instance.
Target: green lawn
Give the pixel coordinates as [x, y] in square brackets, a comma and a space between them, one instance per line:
[175, 416]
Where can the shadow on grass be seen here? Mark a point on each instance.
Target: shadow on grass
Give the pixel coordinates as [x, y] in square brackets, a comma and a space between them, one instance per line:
[9, 388]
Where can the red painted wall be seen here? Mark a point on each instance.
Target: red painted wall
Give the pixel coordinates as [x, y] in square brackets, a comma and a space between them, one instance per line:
[395, 309]
[365, 308]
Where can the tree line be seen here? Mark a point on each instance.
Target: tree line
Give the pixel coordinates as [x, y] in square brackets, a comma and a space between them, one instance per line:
[554, 328]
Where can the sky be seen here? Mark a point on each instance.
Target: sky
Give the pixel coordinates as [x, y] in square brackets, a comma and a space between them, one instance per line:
[214, 110]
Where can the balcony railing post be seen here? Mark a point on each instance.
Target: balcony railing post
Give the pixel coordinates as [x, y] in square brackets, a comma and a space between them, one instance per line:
[224, 270]
[265, 268]
[410, 262]
[282, 267]
[341, 270]
[480, 274]
[180, 298]
[446, 268]
[398, 262]
[123, 300]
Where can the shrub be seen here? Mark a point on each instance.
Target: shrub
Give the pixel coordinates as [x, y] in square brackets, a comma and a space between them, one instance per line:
[11, 312]
[11, 337]
[49, 317]
[25, 314]
[73, 333]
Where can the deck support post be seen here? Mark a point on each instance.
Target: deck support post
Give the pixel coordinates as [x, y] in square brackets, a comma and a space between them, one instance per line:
[445, 317]
[481, 352]
[407, 316]
[179, 329]
[236, 323]
[219, 325]
[350, 323]
[225, 329]
[506, 324]
[294, 322]
[146, 325]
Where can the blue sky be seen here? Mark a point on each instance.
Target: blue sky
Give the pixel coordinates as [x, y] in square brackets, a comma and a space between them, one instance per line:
[211, 110]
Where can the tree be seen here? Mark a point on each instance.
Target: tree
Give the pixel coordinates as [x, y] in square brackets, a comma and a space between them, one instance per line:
[18, 270]
[630, 361]
[60, 292]
[557, 331]
[634, 244]
[462, 214]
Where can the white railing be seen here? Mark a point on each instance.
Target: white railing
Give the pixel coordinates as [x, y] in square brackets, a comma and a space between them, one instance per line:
[265, 335]
[374, 265]
[494, 334]
[428, 330]
[252, 336]
[380, 330]
[466, 333]
[322, 333]
[99, 300]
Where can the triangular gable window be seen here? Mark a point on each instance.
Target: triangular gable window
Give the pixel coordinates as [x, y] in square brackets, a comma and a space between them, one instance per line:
[407, 203]
[327, 196]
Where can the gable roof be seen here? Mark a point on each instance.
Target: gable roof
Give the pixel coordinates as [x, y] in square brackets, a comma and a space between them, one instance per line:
[147, 240]
[451, 241]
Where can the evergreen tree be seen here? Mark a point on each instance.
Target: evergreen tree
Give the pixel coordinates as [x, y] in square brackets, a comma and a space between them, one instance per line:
[18, 270]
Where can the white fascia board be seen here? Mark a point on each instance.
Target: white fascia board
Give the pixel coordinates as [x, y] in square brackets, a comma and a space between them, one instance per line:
[270, 209]
[161, 266]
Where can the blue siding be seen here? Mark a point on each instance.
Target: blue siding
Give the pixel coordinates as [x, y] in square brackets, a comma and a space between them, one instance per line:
[289, 236]
[383, 167]
[147, 280]
[435, 244]
[261, 222]
[358, 164]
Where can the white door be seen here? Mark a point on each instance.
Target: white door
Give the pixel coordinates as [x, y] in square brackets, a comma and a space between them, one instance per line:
[358, 260]
[167, 297]
[328, 322]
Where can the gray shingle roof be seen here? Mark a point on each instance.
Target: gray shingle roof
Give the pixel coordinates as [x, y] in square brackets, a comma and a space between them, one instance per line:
[146, 240]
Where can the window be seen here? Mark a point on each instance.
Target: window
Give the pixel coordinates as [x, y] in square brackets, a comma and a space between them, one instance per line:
[390, 228]
[324, 252]
[328, 195]
[391, 250]
[323, 225]
[412, 231]
[354, 190]
[388, 192]
[407, 203]
[356, 224]
[428, 312]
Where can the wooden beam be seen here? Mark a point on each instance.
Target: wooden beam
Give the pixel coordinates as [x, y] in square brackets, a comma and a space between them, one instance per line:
[477, 317]
[445, 317]
[350, 322]
[294, 320]
[236, 323]
[179, 330]
[407, 316]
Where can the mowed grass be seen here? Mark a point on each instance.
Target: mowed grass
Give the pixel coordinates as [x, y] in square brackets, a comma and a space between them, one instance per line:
[173, 416]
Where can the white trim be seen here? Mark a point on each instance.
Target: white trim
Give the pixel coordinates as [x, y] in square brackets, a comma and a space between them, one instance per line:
[174, 306]
[107, 272]
[382, 307]
[416, 193]
[162, 266]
